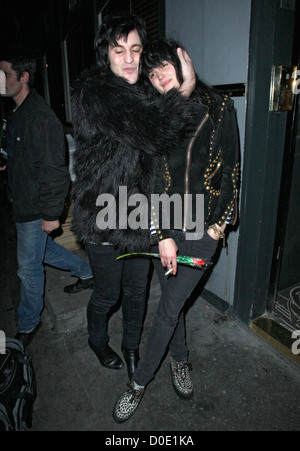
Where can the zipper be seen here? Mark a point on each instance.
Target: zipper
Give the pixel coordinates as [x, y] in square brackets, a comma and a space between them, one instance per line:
[187, 170]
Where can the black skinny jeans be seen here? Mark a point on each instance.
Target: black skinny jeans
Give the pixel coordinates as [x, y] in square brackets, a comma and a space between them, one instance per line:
[169, 324]
[110, 277]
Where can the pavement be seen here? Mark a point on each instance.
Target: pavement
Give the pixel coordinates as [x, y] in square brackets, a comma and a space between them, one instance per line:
[241, 382]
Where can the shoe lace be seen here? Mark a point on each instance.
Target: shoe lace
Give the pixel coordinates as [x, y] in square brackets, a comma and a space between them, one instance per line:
[184, 368]
[135, 393]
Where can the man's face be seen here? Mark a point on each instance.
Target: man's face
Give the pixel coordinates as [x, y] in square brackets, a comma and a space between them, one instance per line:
[124, 59]
[13, 86]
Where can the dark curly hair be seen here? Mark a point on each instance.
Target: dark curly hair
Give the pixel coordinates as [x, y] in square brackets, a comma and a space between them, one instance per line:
[112, 29]
[159, 50]
[21, 61]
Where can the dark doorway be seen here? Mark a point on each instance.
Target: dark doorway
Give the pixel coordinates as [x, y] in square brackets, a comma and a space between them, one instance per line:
[284, 292]
[263, 213]
[286, 304]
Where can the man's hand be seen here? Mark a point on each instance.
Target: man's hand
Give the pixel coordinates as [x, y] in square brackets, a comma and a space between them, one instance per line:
[50, 226]
[188, 73]
[3, 168]
[168, 254]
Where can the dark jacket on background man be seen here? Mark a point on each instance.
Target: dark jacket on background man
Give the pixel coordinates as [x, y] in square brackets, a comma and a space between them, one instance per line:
[40, 175]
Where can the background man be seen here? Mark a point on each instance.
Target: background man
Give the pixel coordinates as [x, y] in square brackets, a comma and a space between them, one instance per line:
[119, 137]
[39, 184]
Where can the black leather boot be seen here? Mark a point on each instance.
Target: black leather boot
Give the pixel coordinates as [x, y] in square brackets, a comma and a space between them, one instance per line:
[26, 338]
[107, 357]
[131, 359]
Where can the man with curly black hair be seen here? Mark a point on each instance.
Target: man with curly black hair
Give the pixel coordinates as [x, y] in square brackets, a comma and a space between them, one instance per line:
[120, 137]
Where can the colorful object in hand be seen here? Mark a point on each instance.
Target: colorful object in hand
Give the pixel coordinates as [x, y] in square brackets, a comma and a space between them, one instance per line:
[190, 261]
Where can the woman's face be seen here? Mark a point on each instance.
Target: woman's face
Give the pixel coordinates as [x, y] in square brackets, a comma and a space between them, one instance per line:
[164, 77]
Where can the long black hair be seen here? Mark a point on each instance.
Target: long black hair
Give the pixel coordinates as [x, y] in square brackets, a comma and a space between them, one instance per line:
[159, 50]
[112, 29]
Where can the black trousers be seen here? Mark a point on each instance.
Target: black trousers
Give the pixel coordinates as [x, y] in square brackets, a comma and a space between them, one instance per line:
[169, 325]
[129, 276]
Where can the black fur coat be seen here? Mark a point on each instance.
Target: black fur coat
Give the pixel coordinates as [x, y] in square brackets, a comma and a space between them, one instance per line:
[120, 139]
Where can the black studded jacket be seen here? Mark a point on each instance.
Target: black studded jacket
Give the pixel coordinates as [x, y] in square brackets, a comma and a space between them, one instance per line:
[207, 164]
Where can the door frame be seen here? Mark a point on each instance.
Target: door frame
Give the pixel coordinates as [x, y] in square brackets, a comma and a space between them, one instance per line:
[286, 180]
[271, 43]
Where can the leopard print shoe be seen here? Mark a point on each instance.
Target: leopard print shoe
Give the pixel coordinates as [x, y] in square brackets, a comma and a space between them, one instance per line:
[128, 403]
[181, 378]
